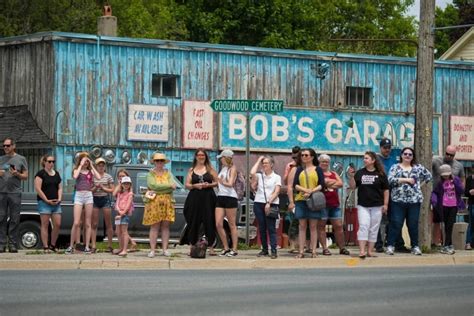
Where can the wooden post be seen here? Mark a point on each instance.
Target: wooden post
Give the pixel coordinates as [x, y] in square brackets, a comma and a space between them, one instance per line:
[424, 110]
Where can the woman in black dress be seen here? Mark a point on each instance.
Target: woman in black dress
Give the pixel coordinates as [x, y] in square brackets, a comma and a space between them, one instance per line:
[201, 201]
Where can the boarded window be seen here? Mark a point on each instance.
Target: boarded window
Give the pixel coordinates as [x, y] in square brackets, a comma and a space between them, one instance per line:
[164, 86]
[358, 96]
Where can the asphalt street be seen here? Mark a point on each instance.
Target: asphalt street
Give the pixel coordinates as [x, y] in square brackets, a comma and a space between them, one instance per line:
[445, 290]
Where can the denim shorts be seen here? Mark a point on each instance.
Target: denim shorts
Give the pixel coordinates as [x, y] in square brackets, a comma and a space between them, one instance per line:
[83, 197]
[102, 201]
[226, 202]
[303, 212]
[48, 209]
[124, 220]
[331, 213]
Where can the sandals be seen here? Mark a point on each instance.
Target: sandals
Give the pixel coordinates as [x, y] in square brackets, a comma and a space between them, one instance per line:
[300, 255]
[53, 248]
[133, 248]
[345, 252]
[109, 249]
[326, 252]
[46, 250]
[314, 255]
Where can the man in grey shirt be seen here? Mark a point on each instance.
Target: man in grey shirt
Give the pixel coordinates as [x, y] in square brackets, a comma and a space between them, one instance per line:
[458, 170]
[13, 169]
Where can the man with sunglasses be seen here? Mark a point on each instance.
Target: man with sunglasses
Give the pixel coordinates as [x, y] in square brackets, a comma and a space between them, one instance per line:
[457, 170]
[13, 169]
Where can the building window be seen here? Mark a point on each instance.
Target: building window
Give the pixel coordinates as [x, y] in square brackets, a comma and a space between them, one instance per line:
[358, 96]
[164, 86]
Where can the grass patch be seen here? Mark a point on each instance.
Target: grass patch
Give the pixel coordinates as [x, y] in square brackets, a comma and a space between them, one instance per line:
[244, 246]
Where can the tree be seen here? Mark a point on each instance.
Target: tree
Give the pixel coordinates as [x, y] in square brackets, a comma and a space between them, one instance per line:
[461, 12]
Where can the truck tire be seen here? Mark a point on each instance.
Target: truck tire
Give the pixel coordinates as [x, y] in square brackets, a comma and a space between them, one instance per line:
[30, 235]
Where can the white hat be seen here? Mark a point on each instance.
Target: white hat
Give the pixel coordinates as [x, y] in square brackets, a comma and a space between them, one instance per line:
[445, 170]
[226, 153]
[126, 180]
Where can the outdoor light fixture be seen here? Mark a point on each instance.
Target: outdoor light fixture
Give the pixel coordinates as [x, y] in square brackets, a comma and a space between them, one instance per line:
[95, 152]
[321, 69]
[350, 122]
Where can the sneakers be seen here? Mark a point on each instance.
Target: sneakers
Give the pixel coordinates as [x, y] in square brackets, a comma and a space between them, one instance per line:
[224, 252]
[69, 250]
[390, 250]
[166, 253]
[379, 249]
[416, 251]
[263, 253]
[231, 253]
[274, 255]
[468, 246]
[345, 252]
[87, 251]
[151, 254]
[447, 250]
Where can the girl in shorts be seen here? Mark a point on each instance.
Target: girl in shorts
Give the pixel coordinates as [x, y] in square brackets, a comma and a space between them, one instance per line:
[123, 207]
[84, 172]
[227, 203]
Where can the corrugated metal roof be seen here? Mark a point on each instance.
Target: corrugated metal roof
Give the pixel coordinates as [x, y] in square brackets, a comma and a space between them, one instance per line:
[47, 36]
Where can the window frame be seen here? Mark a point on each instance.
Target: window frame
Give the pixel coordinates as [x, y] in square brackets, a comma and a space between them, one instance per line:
[354, 100]
[158, 82]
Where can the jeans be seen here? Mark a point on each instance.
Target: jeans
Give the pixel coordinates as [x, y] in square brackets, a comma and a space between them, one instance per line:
[470, 234]
[399, 243]
[449, 218]
[401, 212]
[10, 207]
[265, 224]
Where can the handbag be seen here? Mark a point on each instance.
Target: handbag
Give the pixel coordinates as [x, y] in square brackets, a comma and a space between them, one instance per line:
[316, 201]
[274, 208]
[149, 196]
[198, 251]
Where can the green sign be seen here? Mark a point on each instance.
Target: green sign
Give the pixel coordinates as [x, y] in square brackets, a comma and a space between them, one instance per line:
[267, 106]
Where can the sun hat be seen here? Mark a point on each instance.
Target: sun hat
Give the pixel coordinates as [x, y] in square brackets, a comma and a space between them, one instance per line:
[445, 170]
[226, 153]
[160, 156]
[99, 160]
[126, 180]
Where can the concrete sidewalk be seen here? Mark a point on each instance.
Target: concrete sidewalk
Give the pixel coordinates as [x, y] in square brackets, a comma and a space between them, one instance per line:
[247, 259]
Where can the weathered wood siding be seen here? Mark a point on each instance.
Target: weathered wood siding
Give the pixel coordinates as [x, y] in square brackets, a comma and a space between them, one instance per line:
[26, 73]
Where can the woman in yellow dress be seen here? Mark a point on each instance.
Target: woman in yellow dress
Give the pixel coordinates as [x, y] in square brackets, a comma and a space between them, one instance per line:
[159, 208]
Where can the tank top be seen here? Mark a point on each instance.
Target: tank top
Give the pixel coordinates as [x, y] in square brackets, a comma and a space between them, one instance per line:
[332, 198]
[225, 190]
[312, 179]
[84, 182]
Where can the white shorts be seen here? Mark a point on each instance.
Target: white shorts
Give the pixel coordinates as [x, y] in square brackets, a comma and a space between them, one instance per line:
[83, 197]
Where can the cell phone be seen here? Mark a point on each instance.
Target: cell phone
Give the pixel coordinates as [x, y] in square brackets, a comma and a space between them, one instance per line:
[12, 167]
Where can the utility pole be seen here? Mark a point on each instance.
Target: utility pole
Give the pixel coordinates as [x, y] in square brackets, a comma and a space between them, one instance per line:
[424, 110]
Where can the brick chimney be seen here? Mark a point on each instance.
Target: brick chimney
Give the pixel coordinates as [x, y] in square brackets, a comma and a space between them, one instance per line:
[107, 24]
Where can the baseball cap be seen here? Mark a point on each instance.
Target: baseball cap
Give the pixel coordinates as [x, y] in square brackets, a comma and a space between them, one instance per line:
[385, 142]
[226, 153]
[99, 160]
[126, 180]
[445, 170]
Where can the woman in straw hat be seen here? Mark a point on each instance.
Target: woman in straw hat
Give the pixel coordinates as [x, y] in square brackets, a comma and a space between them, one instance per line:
[159, 208]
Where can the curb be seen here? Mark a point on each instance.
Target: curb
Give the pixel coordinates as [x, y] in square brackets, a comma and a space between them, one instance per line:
[246, 261]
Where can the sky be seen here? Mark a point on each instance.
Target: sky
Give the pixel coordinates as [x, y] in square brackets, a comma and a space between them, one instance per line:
[415, 8]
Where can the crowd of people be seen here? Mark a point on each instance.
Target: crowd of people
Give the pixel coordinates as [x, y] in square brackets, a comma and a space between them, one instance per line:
[388, 194]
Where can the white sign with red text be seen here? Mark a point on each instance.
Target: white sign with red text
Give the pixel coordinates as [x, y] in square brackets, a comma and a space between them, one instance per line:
[462, 136]
[198, 127]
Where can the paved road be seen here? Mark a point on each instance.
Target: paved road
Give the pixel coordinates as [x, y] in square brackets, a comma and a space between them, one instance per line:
[376, 291]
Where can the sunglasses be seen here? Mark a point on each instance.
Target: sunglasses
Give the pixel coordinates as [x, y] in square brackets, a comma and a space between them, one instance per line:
[6, 145]
[450, 155]
[305, 155]
[50, 161]
[408, 154]
[159, 160]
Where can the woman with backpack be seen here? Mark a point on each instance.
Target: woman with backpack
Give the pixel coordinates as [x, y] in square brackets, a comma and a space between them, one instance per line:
[227, 202]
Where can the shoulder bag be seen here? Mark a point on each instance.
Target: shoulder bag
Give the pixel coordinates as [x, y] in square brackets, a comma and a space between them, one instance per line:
[316, 201]
[274, 211]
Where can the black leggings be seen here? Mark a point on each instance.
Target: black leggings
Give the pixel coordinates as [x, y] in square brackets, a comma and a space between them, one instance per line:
[449, 218]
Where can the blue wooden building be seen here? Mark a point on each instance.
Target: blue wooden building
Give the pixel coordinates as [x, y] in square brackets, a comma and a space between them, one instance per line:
[125, 98]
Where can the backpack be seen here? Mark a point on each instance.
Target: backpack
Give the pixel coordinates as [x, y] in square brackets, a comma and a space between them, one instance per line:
[198, 251]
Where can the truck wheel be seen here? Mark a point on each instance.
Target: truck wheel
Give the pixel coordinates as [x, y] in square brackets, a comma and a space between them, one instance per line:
[30, 235]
